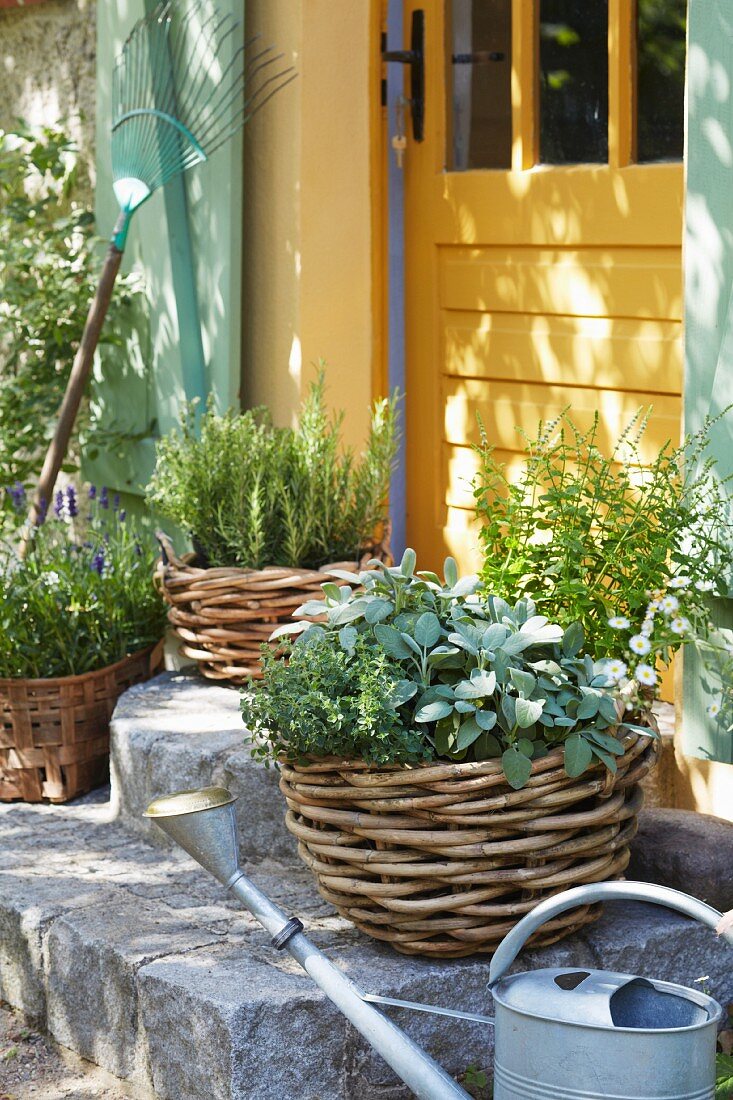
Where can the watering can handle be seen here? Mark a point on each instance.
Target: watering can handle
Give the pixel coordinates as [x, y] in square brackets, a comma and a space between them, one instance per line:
[513, 943]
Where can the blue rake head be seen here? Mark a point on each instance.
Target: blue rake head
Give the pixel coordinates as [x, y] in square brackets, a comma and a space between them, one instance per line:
[182, 85]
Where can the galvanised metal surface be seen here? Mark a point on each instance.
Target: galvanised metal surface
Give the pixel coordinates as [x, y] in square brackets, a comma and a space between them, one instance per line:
[577, 1034]
[555, 1043]
[513, 943]
[203, 822]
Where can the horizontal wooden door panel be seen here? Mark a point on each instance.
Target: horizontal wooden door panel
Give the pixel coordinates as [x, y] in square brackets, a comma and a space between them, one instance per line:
[599, 352]
[579, 205]
[504, 406]
[588, 282]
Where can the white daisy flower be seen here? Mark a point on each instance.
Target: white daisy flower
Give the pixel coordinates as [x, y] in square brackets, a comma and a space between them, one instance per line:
[647, 627]
[680, 582]
[645, 674]
[619, 622]
[680, 625]
[615, 670]
[704, 586]
[640, 644]
[669, 604]
[651, 607]
[713, 709]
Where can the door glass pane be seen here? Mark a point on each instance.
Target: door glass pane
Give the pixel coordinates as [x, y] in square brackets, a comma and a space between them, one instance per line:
[573, 115]
[660, 78]
[480, 107]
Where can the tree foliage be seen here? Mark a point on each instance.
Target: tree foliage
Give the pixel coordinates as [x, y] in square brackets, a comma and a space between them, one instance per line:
[49, 269]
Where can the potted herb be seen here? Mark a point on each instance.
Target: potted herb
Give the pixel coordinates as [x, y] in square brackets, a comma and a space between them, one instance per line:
[267, 509]
[80, 621]
[631, 549]
[448, 759]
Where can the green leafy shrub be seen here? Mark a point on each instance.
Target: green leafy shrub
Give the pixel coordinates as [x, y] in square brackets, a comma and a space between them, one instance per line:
[83, 597]
[723, 1076]
[253, 495]
[630, 550]
[407, 667]
[48, 273]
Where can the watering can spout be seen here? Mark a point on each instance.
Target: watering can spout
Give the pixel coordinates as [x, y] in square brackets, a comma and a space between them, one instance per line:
[203, 822]
[513, 943]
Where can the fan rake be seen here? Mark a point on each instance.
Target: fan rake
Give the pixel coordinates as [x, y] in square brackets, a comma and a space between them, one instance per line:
[181, 88]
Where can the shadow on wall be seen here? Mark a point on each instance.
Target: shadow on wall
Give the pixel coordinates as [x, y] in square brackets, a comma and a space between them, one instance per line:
[48, 67]
[582, 310]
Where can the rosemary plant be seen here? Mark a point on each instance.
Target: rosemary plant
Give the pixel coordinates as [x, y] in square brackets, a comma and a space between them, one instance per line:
[251, 494]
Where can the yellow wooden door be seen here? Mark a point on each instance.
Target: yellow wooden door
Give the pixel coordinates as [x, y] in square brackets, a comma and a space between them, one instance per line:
[534, 283]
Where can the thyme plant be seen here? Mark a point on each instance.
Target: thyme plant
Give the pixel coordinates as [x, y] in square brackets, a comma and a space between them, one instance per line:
[632, 550]
[83, 597]
[252, 495]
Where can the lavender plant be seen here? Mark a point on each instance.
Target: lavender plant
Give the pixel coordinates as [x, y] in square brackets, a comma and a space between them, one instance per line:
[251, 494]
[632, 550]
[83, 597]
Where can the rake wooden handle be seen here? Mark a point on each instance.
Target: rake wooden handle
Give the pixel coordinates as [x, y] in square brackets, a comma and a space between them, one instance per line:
[75, 386]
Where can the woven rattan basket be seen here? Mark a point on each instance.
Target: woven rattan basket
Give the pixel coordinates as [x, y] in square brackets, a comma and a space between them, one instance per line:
[222, 616]
[441, 860]
[54, 734]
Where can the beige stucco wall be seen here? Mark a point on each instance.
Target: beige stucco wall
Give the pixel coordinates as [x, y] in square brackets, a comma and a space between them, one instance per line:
[47, 68]
[308, 290]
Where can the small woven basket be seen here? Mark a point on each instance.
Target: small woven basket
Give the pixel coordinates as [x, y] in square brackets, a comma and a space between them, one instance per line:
[54, 733]
[222, 616]
[442, 859]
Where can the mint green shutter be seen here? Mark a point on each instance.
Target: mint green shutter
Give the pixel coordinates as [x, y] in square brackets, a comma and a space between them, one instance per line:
[144, 382]
[708, 259]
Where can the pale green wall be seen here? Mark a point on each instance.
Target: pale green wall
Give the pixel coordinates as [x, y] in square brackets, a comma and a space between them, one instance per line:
[147, 383]
[708, 261]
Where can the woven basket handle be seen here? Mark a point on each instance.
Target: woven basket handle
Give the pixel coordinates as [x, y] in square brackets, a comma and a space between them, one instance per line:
[378, 548]
[167, 553]
[513, 943]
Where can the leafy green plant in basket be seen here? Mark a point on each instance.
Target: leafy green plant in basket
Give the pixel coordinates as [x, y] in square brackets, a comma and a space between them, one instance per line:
[631, 549]
[453, 673]
[83, 597]
[253, 495]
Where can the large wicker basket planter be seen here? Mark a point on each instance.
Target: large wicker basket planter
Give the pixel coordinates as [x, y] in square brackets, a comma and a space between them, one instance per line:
[441, 860]
[222, 616]
[54, 733]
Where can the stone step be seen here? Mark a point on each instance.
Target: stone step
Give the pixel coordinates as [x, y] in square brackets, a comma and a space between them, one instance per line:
[179, 731]
[134, 958]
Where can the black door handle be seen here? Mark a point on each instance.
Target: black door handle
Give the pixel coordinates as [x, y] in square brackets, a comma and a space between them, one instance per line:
[481, 57]
[415, 58]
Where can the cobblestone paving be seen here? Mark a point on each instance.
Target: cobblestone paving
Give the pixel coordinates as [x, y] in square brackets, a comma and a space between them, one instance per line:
[33, 1068]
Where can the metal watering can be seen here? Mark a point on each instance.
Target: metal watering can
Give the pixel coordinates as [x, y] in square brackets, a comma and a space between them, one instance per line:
[561, 1034]
[573, 1034]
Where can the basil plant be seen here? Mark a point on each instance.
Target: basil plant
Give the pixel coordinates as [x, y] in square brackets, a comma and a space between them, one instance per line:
[460, 675]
